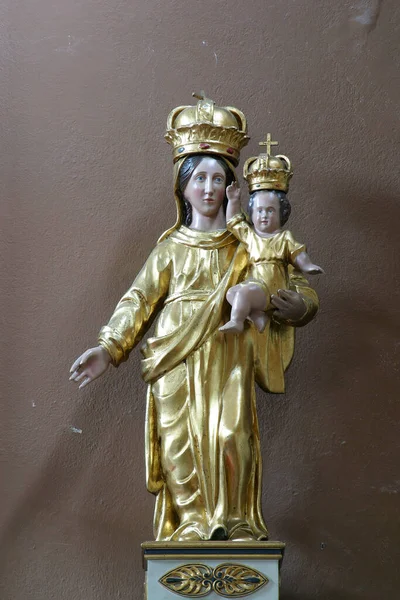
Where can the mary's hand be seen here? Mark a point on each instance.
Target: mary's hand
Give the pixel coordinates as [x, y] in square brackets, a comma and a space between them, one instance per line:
[289, 305]
[93, 363]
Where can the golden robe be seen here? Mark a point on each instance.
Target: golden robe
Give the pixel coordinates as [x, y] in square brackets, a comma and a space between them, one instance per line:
[202, 441]
[269, 256]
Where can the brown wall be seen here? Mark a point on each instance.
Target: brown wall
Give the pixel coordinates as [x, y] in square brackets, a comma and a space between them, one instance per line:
[86, 182]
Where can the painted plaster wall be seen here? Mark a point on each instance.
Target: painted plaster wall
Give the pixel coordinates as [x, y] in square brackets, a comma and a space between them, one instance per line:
[86, 87]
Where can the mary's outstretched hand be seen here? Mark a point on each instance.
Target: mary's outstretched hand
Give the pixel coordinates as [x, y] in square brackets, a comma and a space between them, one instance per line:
[93, 363]
[289, 305]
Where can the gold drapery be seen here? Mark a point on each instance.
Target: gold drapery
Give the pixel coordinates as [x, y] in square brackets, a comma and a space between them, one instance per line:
[203, 459]
[202, 442]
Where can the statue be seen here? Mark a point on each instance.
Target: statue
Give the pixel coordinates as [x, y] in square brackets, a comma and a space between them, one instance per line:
[270, 249]
[202, 442]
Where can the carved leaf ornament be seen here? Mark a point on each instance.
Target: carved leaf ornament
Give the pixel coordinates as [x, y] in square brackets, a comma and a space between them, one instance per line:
[227, 580]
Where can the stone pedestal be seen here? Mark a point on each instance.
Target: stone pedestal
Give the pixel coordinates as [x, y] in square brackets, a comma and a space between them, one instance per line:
[212, 570]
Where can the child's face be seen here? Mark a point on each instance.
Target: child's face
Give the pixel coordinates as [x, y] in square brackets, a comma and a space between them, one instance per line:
[266, 212]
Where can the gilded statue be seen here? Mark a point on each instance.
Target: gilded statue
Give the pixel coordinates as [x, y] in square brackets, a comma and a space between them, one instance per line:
[203, 459]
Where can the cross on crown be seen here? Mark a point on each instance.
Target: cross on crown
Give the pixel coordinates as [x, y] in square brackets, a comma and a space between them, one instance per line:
[268, 143]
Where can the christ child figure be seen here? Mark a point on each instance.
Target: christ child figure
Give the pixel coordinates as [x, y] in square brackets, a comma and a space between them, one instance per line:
[271, 250]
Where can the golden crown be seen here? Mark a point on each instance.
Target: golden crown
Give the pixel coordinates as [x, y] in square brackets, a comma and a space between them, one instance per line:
[207, 129]
[268, 172]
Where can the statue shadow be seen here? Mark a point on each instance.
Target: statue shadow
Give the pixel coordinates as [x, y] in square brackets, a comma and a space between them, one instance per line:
[361, 292]
[346, 368]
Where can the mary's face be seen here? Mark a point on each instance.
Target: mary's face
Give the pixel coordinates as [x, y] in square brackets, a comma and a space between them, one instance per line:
[205, 190]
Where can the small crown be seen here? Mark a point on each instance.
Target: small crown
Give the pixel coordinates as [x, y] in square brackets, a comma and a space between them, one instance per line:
[268, 172]
[207, 129]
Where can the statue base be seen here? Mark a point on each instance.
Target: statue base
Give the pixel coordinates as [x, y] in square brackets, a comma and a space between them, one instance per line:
[212, 570]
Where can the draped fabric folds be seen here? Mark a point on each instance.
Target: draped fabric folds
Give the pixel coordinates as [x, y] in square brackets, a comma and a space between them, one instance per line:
[202, 442]
[203, 459]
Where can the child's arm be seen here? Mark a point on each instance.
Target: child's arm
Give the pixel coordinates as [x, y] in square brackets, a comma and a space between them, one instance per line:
[235, 219]
[298, 256]
[233, 195]
[303, 262]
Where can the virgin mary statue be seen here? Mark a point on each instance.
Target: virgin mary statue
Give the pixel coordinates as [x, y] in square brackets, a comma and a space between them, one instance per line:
[202, 439]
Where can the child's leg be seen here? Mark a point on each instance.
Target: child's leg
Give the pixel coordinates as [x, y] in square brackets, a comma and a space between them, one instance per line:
[240, 310]
[260, 319]
[303, 262]
[246, 298]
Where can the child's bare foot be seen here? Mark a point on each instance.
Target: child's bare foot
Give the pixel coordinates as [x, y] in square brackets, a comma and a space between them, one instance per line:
[260, 319]
[233, 326]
